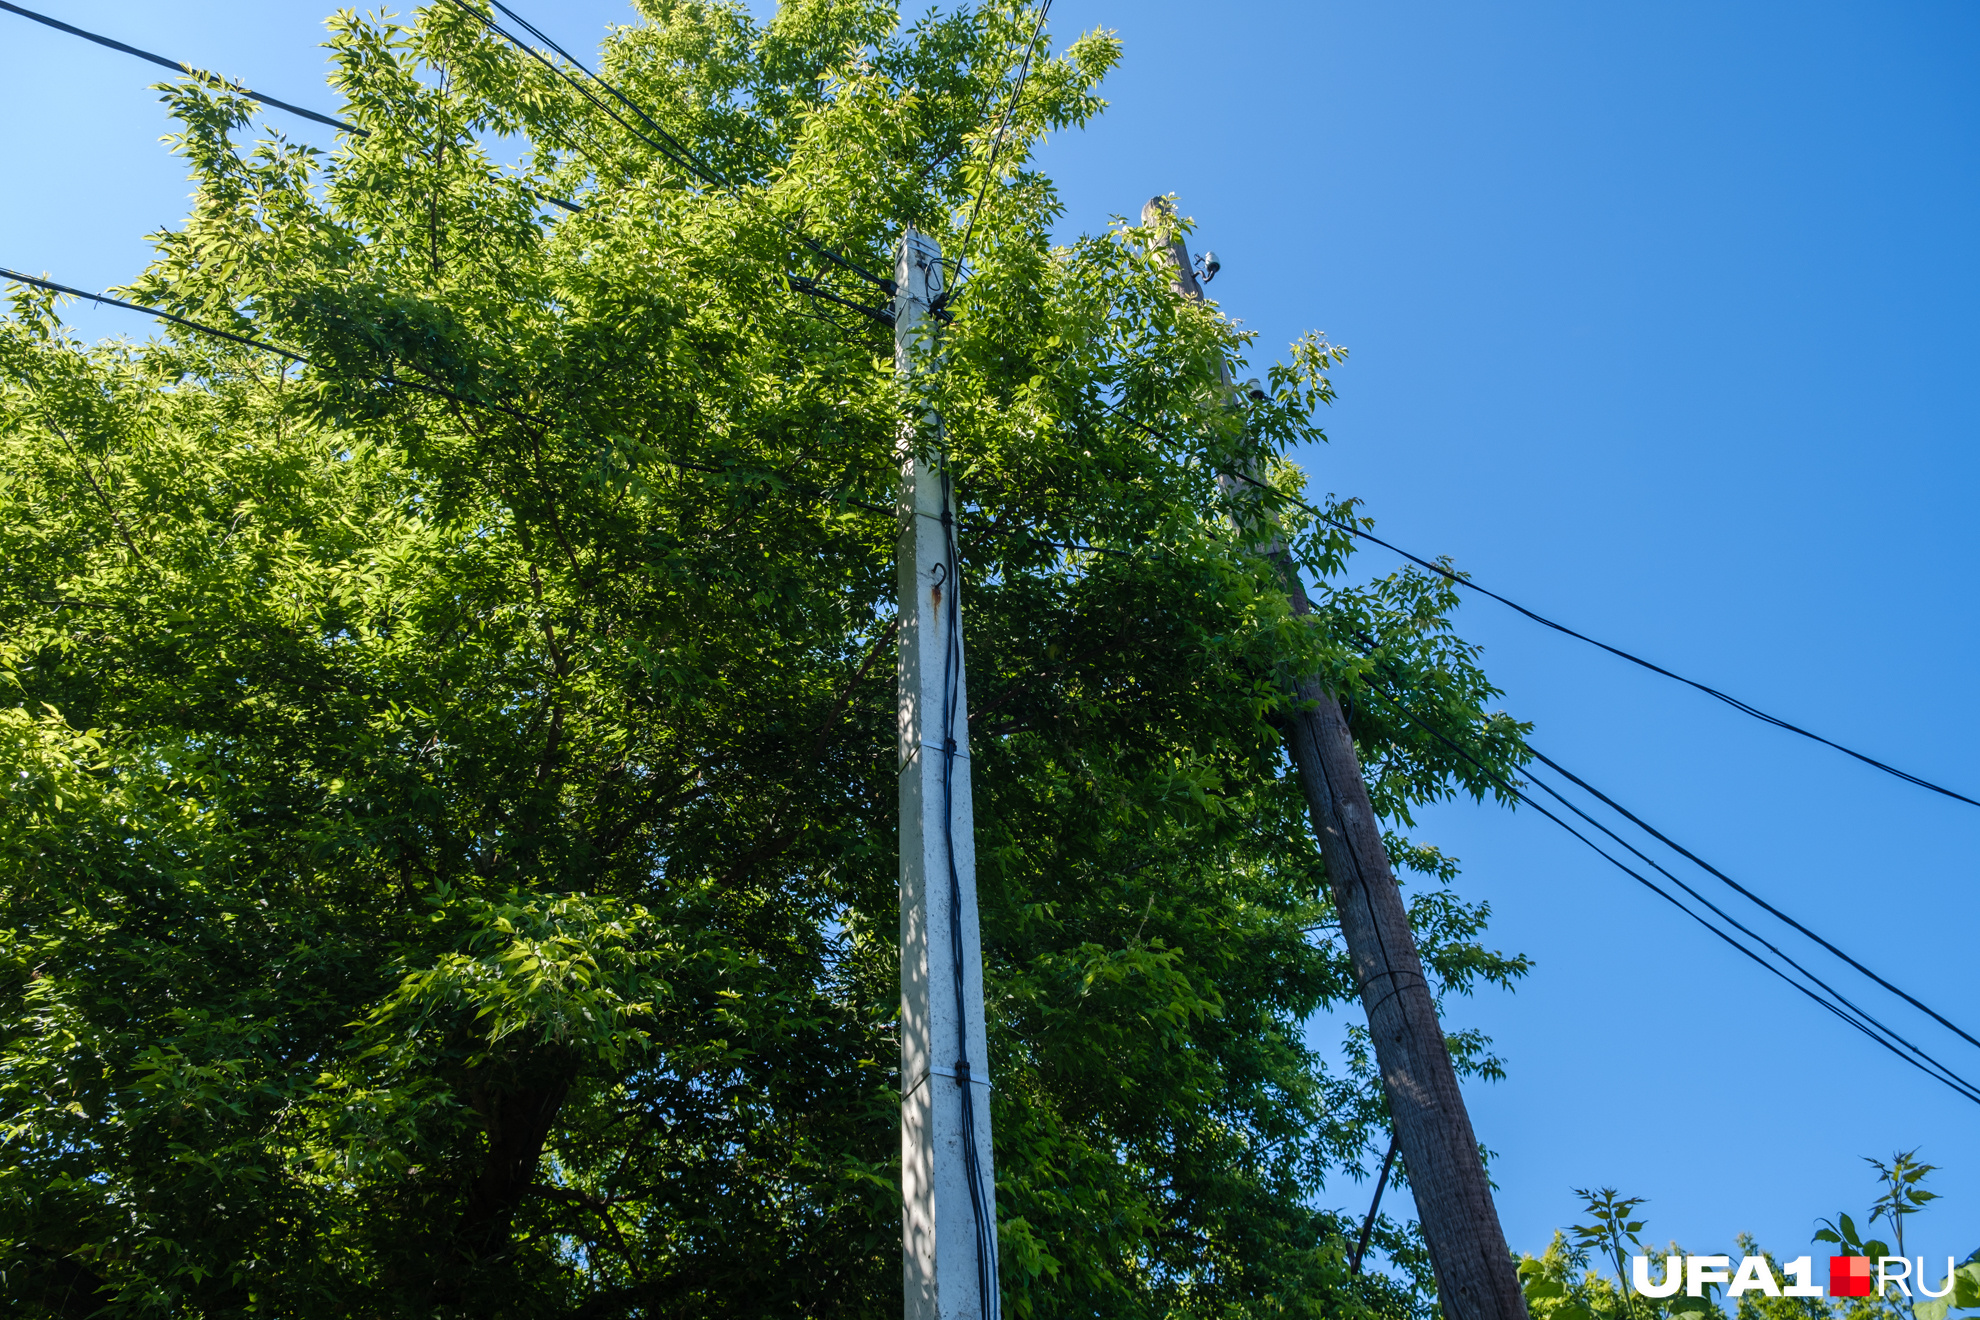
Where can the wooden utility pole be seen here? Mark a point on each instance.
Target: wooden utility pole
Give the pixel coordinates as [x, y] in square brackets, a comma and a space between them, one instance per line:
[1475, 1276]
[949, 1211]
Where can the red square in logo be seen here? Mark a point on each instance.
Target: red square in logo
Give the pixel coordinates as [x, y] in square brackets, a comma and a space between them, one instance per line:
[1849, 1276]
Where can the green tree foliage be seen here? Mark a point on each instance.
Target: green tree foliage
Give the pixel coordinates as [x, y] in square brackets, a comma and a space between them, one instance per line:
[449, 813]
[1566, 1282]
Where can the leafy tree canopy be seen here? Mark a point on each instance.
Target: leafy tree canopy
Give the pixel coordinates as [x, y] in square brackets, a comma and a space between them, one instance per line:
[448, 841]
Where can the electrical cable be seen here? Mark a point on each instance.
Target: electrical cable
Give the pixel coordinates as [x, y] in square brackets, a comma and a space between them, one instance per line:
[997, 141]
[1748, 931]
[986, 1229]
[706, 171]
[214, 79]
[1738, 705]
[666, 144]
[987, 528]
[1937, 1071]
[161, 314]
[657, 145]
[813, 289]
[396, 382]
[179, 66]
[1748, 894]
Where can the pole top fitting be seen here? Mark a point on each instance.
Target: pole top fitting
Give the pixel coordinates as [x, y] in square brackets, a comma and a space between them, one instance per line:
[918, 267]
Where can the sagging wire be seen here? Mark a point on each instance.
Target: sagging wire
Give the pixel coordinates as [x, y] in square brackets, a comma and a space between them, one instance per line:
[997, 140]
[227, 84]
[813, 289]
[665, 143]
[179, 66]
[1839, 1004]
[834, 498]
[1743, 707]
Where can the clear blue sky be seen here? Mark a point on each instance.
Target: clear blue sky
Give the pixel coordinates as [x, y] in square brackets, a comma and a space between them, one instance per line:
[1662, 320]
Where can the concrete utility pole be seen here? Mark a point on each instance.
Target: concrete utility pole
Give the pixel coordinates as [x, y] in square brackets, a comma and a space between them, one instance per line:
[1475, 1276]
[949, 1211]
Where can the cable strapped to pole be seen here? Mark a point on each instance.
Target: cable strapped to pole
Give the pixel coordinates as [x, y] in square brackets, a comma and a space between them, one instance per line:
[952, 661]
[949, 1217]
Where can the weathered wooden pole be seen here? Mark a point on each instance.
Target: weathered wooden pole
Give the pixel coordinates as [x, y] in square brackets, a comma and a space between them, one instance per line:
[1475, 1276]
[949, 1211]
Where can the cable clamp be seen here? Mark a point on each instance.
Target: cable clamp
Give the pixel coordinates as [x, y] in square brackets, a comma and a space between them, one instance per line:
[961, 1073]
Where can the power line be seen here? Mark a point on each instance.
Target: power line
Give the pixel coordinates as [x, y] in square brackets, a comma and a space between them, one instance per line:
[663, 147]
[1748, 894]
[666, 144]
[1738, 705]
[1950, 1078]
[707, 172]
[997, 141]
[263, 345]
[688, 159]
[1748, 931]
[825, 496]
[161, 314]
[179, 66]
[1925, 1063]
[215, 80]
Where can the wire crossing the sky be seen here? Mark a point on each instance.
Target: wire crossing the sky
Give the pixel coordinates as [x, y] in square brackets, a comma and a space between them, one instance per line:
[997, 141]
[179, 66]
[1743, 707]
[215, 80]
[1817, 988]
[666, 144]
[1746, 893]
[824, 496]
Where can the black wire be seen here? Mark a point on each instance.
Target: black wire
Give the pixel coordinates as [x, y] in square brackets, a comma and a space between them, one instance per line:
[837, 498]
[1748, 894]
[700, 167]
[178, 66]
[986, 1239]
[174, 317]
[1937, 1071]
[1368, 1224]
[1736, 924]
[1730, 700]
[214, 78]
[662, 147]
[437, 391]
[997, 142]
[707, 172]
[810, 288]
[667, 144]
